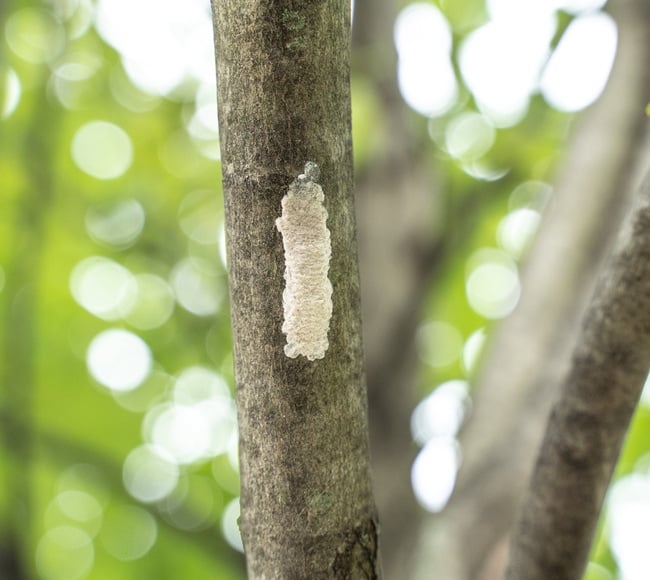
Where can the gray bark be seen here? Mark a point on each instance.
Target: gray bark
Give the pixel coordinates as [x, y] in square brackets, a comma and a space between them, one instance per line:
[530, 351]
[589, 421]
[283, 92]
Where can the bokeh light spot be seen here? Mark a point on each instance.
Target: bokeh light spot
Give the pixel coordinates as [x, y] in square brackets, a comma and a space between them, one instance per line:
[501, 62]
[530, 195]
[34, 35]
[182, 431]
[130, 96]
[221, 240]
[103, 287]
[70, 80]
[196, 384]
[79, 15]
[204, 124]
[116, 225]
[578, 6]
[154, 302]
[87, 478]
[433, 473]
[129, 532]
[199, 424]
[492, 286]
[179, 43]
[10, 93]
[469, 136]
[230, 525]
[79, 505]
[517, 230]
[149, 474]
[579, 68]
[441, 413]
[628, 509]
[64, 553]
[473, 349]
[196, 287]
[439, 343]
[425, 74]
[153, 390]
[119, 359]
[102, 150]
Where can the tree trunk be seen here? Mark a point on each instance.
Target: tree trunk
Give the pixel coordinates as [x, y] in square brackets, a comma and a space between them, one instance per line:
[284, 99]
[588, 423]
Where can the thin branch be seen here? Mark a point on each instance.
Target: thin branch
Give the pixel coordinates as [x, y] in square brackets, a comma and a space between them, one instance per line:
[589, 422]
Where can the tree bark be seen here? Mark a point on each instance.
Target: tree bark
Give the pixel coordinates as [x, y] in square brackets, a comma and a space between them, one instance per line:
[588, 423]
[283, 94]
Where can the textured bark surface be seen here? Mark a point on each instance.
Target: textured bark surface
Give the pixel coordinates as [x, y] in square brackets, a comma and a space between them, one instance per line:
[530, 351]
[283, 91]
[588, 423]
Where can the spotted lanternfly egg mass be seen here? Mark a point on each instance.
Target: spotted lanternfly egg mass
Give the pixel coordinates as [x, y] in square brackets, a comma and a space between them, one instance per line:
[307, 297]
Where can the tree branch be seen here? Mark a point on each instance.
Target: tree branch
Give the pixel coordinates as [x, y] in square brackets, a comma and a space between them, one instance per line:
[283, 92]
[588, 423]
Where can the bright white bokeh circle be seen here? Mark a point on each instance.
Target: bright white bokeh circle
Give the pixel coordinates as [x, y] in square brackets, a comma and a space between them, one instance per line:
[119, 359]
[628, 517]
[102, 150]
[425, 74]
[579, 68]
[103, 287]
[433, 473]
[441, 413]
[517, 230]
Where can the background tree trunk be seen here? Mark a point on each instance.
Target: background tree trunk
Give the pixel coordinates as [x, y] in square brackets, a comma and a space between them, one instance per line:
[398, 204]
[20, 328]
[530, 351]
[283, 93]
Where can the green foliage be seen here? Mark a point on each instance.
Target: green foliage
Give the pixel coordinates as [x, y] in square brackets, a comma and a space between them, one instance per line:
[71, 421]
